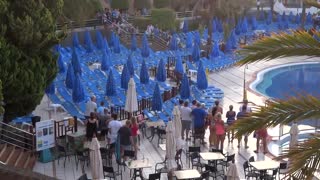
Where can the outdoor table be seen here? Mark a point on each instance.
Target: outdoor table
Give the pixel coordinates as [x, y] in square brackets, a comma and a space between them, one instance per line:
[76, 134]
[153, 125]
[103, 144]
[137, 166]
[211, 156]
[187, 174]
[263, 166]
[162, 146]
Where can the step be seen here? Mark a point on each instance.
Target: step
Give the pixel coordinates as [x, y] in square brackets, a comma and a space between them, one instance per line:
[3, 149]
[14, 157]
[11, 155]
[22, 160]
[5, 155]
[30, 163]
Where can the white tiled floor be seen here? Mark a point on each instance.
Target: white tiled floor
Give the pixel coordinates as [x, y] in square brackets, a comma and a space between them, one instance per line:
[229, 80]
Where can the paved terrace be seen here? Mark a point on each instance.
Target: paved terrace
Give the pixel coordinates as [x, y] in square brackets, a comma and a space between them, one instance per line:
[230, 80]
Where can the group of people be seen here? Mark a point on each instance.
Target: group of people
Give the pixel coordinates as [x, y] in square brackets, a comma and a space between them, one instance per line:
[100, 122]
[197, 118]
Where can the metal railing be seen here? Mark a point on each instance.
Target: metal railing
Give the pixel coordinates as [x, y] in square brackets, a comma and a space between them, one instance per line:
[17, 137]
[186, 14]
[80, 24]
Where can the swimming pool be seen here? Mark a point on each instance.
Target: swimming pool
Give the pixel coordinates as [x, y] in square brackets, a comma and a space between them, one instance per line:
[288, 80]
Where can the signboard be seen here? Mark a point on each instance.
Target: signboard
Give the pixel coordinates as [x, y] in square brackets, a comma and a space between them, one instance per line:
[45, 135]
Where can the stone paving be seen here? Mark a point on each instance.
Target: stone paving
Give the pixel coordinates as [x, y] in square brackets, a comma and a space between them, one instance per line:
[230, 80]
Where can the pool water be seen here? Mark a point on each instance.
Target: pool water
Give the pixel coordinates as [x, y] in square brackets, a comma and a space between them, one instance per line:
[290, 80]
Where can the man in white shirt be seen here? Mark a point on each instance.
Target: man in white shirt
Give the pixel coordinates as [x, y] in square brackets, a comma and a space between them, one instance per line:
[186, 119]
[91, 106]
[113, 128]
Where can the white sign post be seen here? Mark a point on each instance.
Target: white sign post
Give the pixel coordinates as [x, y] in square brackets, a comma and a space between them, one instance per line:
[45, 135]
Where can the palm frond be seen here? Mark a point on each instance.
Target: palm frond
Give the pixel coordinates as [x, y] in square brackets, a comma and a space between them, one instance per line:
[304, 158]
[298, 43]
[313, 3]
[279, 112]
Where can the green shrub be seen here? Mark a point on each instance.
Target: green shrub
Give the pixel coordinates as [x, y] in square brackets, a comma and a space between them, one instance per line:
[140, 4]
[141, 22]
[161, 3]
[78, 10]
[164, 18]
[120, 4]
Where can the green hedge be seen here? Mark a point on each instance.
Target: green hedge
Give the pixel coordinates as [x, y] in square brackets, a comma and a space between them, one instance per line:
[164, 18]
[141, 22]
[81, 9]
[161, 3]
[140, 4]
[120, 4]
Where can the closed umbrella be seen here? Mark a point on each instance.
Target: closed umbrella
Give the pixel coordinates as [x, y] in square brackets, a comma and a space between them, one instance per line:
[185, 27]
[215, 51]
[269, 18]
[233, 39]
[291, 17]
[161, 75]
[125, 77]
[232, 173]
[283, 16]
[177, 126]
[214, 25]
[156, 99]
[77, 90]
[96, 160]
[185, 87]
[99, 40]
[133, 42]
[110, 87]
[173, 43]
[75, 39]
[189, 40]
[238, 28]
[130, 65]
[294, 131]
[76, 63]
[262, 16]
[179, 66]
[244, 27]
[197, 39]
[228, 46]
[309, 18]
[116, 45]
[69, 77]
[145, 50]
[202, 82]
[144, 74]
[106, 46]
[254, 23]
[205, 34]
[111, 40]
[170, 147]
[196, 52]
[88, 41]
[131, 98]
[219, 26]
[61, 66]
[50, 89]
[105, 61]
[298, 18]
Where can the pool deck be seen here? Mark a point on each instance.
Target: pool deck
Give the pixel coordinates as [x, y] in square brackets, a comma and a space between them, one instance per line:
[230, 80]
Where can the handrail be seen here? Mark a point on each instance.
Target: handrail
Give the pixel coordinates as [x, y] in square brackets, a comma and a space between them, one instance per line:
[4, 124]
[17, 137]
[180, 15]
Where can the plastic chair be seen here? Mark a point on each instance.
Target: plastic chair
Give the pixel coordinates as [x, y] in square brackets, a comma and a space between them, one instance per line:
[248, 173]
[108, 172]
[155, 176]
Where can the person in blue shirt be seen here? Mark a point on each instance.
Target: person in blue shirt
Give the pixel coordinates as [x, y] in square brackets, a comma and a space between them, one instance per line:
[199, 119]
[101, 108]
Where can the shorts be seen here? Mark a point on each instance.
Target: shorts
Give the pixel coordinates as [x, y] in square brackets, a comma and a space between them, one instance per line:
[186, 124]
[135, 139]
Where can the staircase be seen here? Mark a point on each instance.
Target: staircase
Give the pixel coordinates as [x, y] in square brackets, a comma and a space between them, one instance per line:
[16, 147]
[155, 43]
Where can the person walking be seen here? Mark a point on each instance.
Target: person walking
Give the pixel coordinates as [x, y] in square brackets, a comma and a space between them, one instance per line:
[186, 119]
[199, 115]
[113, 127]
[126, 139]
[91, 127]
[134, 133]
[243, 114]
[261, 134]
[220, 131]
[231, 117]
[91, 106]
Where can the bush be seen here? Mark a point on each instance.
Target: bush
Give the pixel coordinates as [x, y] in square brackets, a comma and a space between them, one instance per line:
[78, 10]
[163, 18]
[141, 22]
[120, 4]
[140, 4]
[161, 3]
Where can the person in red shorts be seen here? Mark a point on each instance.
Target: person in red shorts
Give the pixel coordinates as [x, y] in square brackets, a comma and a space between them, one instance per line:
[262, 135]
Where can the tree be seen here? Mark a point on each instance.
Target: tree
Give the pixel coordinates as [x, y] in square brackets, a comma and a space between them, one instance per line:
[120, 4]
[305, 158]
[1, 99]
[28, 66]
[80, 10]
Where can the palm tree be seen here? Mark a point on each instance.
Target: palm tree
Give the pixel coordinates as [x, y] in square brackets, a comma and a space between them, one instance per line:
[305, 157]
